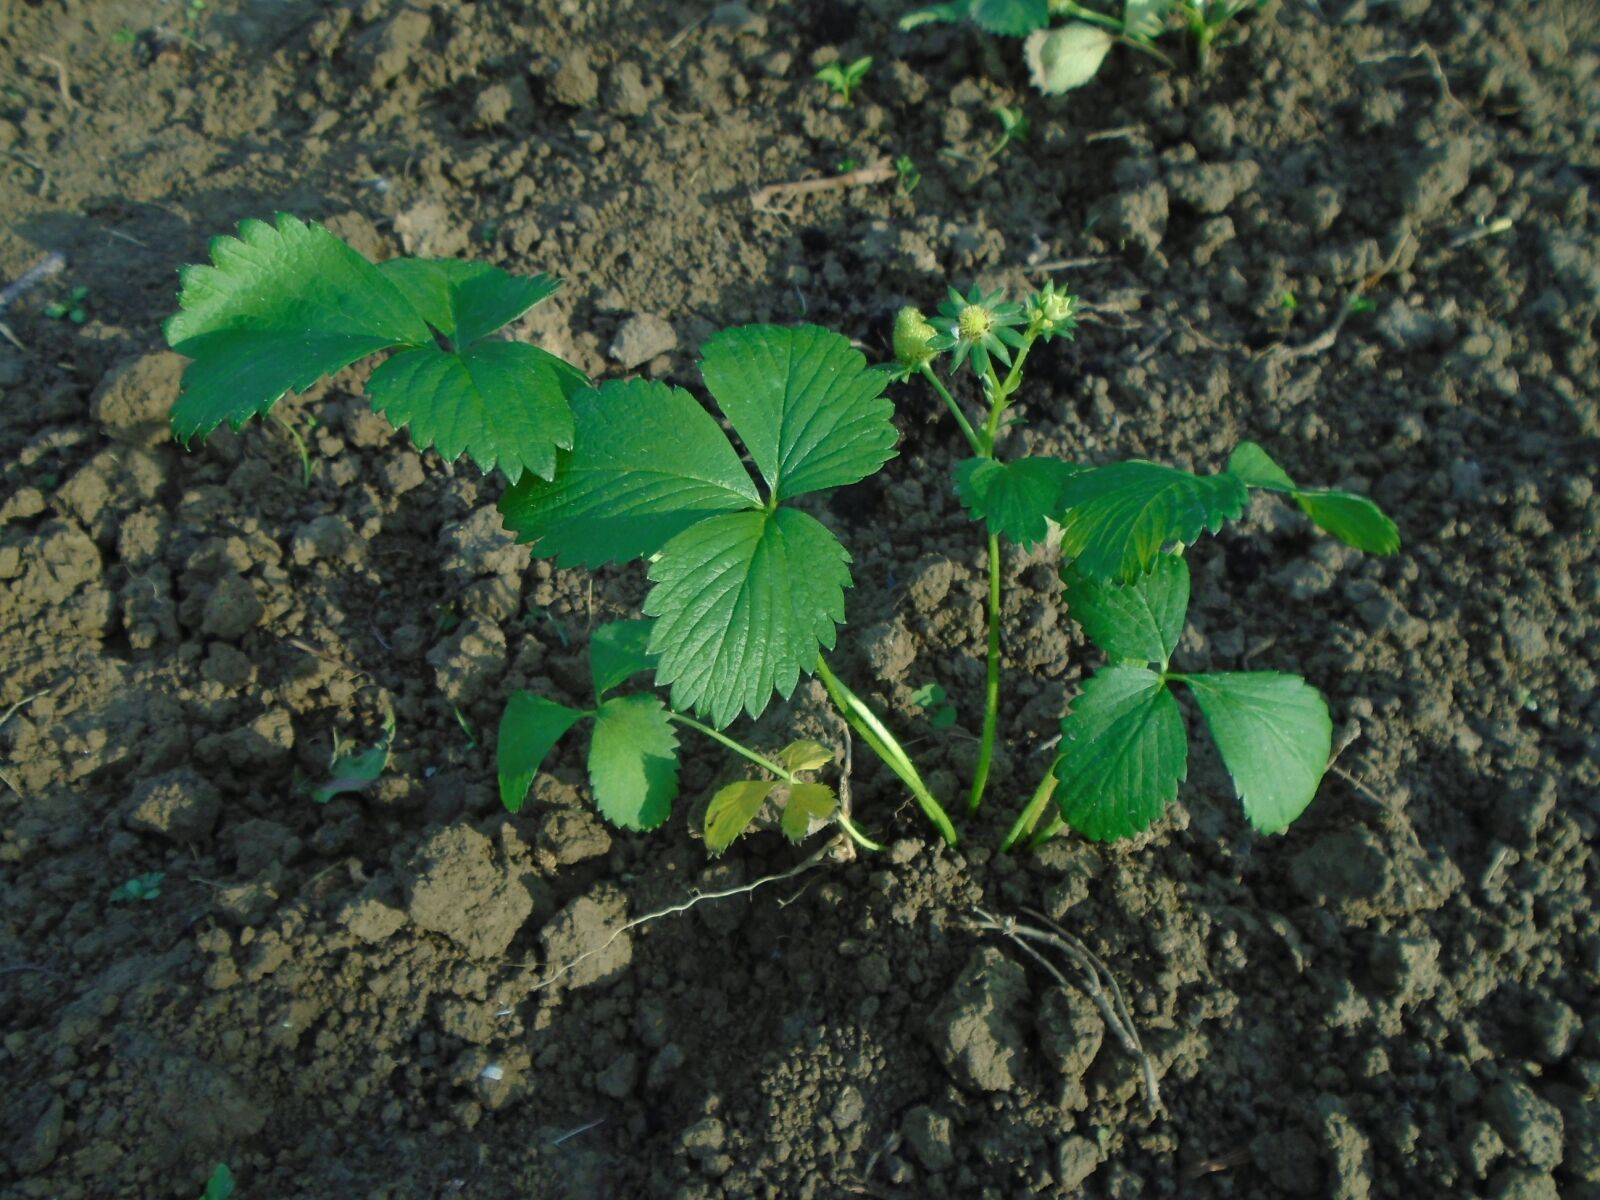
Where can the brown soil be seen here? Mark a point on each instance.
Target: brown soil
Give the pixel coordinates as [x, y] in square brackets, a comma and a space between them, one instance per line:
[1401, 997]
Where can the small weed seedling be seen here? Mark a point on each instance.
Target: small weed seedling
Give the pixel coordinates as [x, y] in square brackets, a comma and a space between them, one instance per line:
[140, 888]
[746, 588]
[74, 308]
[1063, 57]
[932, 700]
[905, 169]
[1014, 127]
[351, 770]
[842, 79]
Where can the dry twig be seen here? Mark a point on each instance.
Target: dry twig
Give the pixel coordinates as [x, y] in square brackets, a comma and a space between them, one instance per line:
[773, 197]
[63, 84]
[1325, 340]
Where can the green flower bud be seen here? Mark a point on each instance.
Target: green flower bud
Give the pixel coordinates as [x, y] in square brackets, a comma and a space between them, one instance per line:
[1051, 312]
[912, 333]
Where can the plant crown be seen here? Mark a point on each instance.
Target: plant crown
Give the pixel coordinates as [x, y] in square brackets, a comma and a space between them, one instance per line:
[746, 587]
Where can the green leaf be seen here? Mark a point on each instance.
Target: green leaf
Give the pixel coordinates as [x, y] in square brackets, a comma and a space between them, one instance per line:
[1255, 466]
[220, 1185]
[1123, 754]
[1011, 18]
[804, 756]
[1014, 499]
[617, 652]
[647, 463]
[1060, 60]
[808, 804]
[466, 300]
[281, 307]
[1119, 517]
[954, 10]
[804, 403]
[1139, 621]
[1275, 736]
[743, 603]
[732, 809]
[1146, 19]
[1352, 519]
[633, 762]
[503, 403]
[530, 727]
[355, 772]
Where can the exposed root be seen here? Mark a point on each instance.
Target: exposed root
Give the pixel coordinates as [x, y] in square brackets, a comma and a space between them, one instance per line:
[775, 197]
[1097, 983]
[836, 850]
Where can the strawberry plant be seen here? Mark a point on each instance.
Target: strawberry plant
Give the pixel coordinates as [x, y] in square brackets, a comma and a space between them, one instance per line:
[747, 583]
[1067, 56]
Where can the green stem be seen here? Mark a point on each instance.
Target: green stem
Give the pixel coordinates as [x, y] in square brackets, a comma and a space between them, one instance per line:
[856, 835]
[955, 409]
[1030, 815]
[1052, 827]
[300, 445]
[1066, 8]
[883, 743]
[738, 748]
[991, 694]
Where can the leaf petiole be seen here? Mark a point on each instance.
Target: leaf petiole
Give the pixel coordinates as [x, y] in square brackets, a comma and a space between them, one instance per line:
[883, 743]
[991, 695]
[766, 764]
[1030, 815]
[955, 409]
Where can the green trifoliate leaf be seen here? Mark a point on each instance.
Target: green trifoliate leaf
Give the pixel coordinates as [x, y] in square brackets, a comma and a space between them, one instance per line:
[732, 809]
[1014, 499]
[648, 462]
[1123, 754]
[1119, 517]
[279, 308]
[804, 403]
[1140, 621]
[743, 604]
[808, 806]
[1352, 519]
[530, 727]
[466, 300]
[1010, 18]
[1275, 736]
[1060, 60]
[804, 756]
[1146, 19]
[633, 762]
[617, 652]
[503, 403]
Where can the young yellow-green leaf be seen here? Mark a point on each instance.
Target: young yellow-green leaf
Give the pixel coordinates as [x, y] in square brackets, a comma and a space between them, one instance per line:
[503, 403]
[804, 403]
[1146, 18]
[1119, 517]
[1352, 519]
[356, 770]
[648, 462]
[804, 756]
[1123, 754]
[1138, 622]
[732, 809]
[1275, 735]
[618, 651]
[530, 727]
[279, 308]
[1014, 499]
[1065, 58]
[633, 762]
[743, 603]
[466, 300]
[808, 805]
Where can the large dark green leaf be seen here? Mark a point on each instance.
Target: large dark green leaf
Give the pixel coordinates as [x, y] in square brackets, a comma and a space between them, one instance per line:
[1123, 754]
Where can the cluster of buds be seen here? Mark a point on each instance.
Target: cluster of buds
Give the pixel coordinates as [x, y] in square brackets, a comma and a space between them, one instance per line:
[977, 328]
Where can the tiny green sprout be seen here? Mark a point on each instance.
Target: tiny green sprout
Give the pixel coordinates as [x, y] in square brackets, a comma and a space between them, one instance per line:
[978, 327]
[466, 727]
[351, 771]
[299, 445]
[124, 36]
[445, 617]
[144, 888]
[1288, 302]
[75, 308]
[1014, 127]
[843, 79]
[220, 1185]
[931, 698]
[846, 165]
[905, 169]
[1361, 304]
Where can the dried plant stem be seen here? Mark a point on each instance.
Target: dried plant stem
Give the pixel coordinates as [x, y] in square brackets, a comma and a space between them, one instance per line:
[770, 199]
